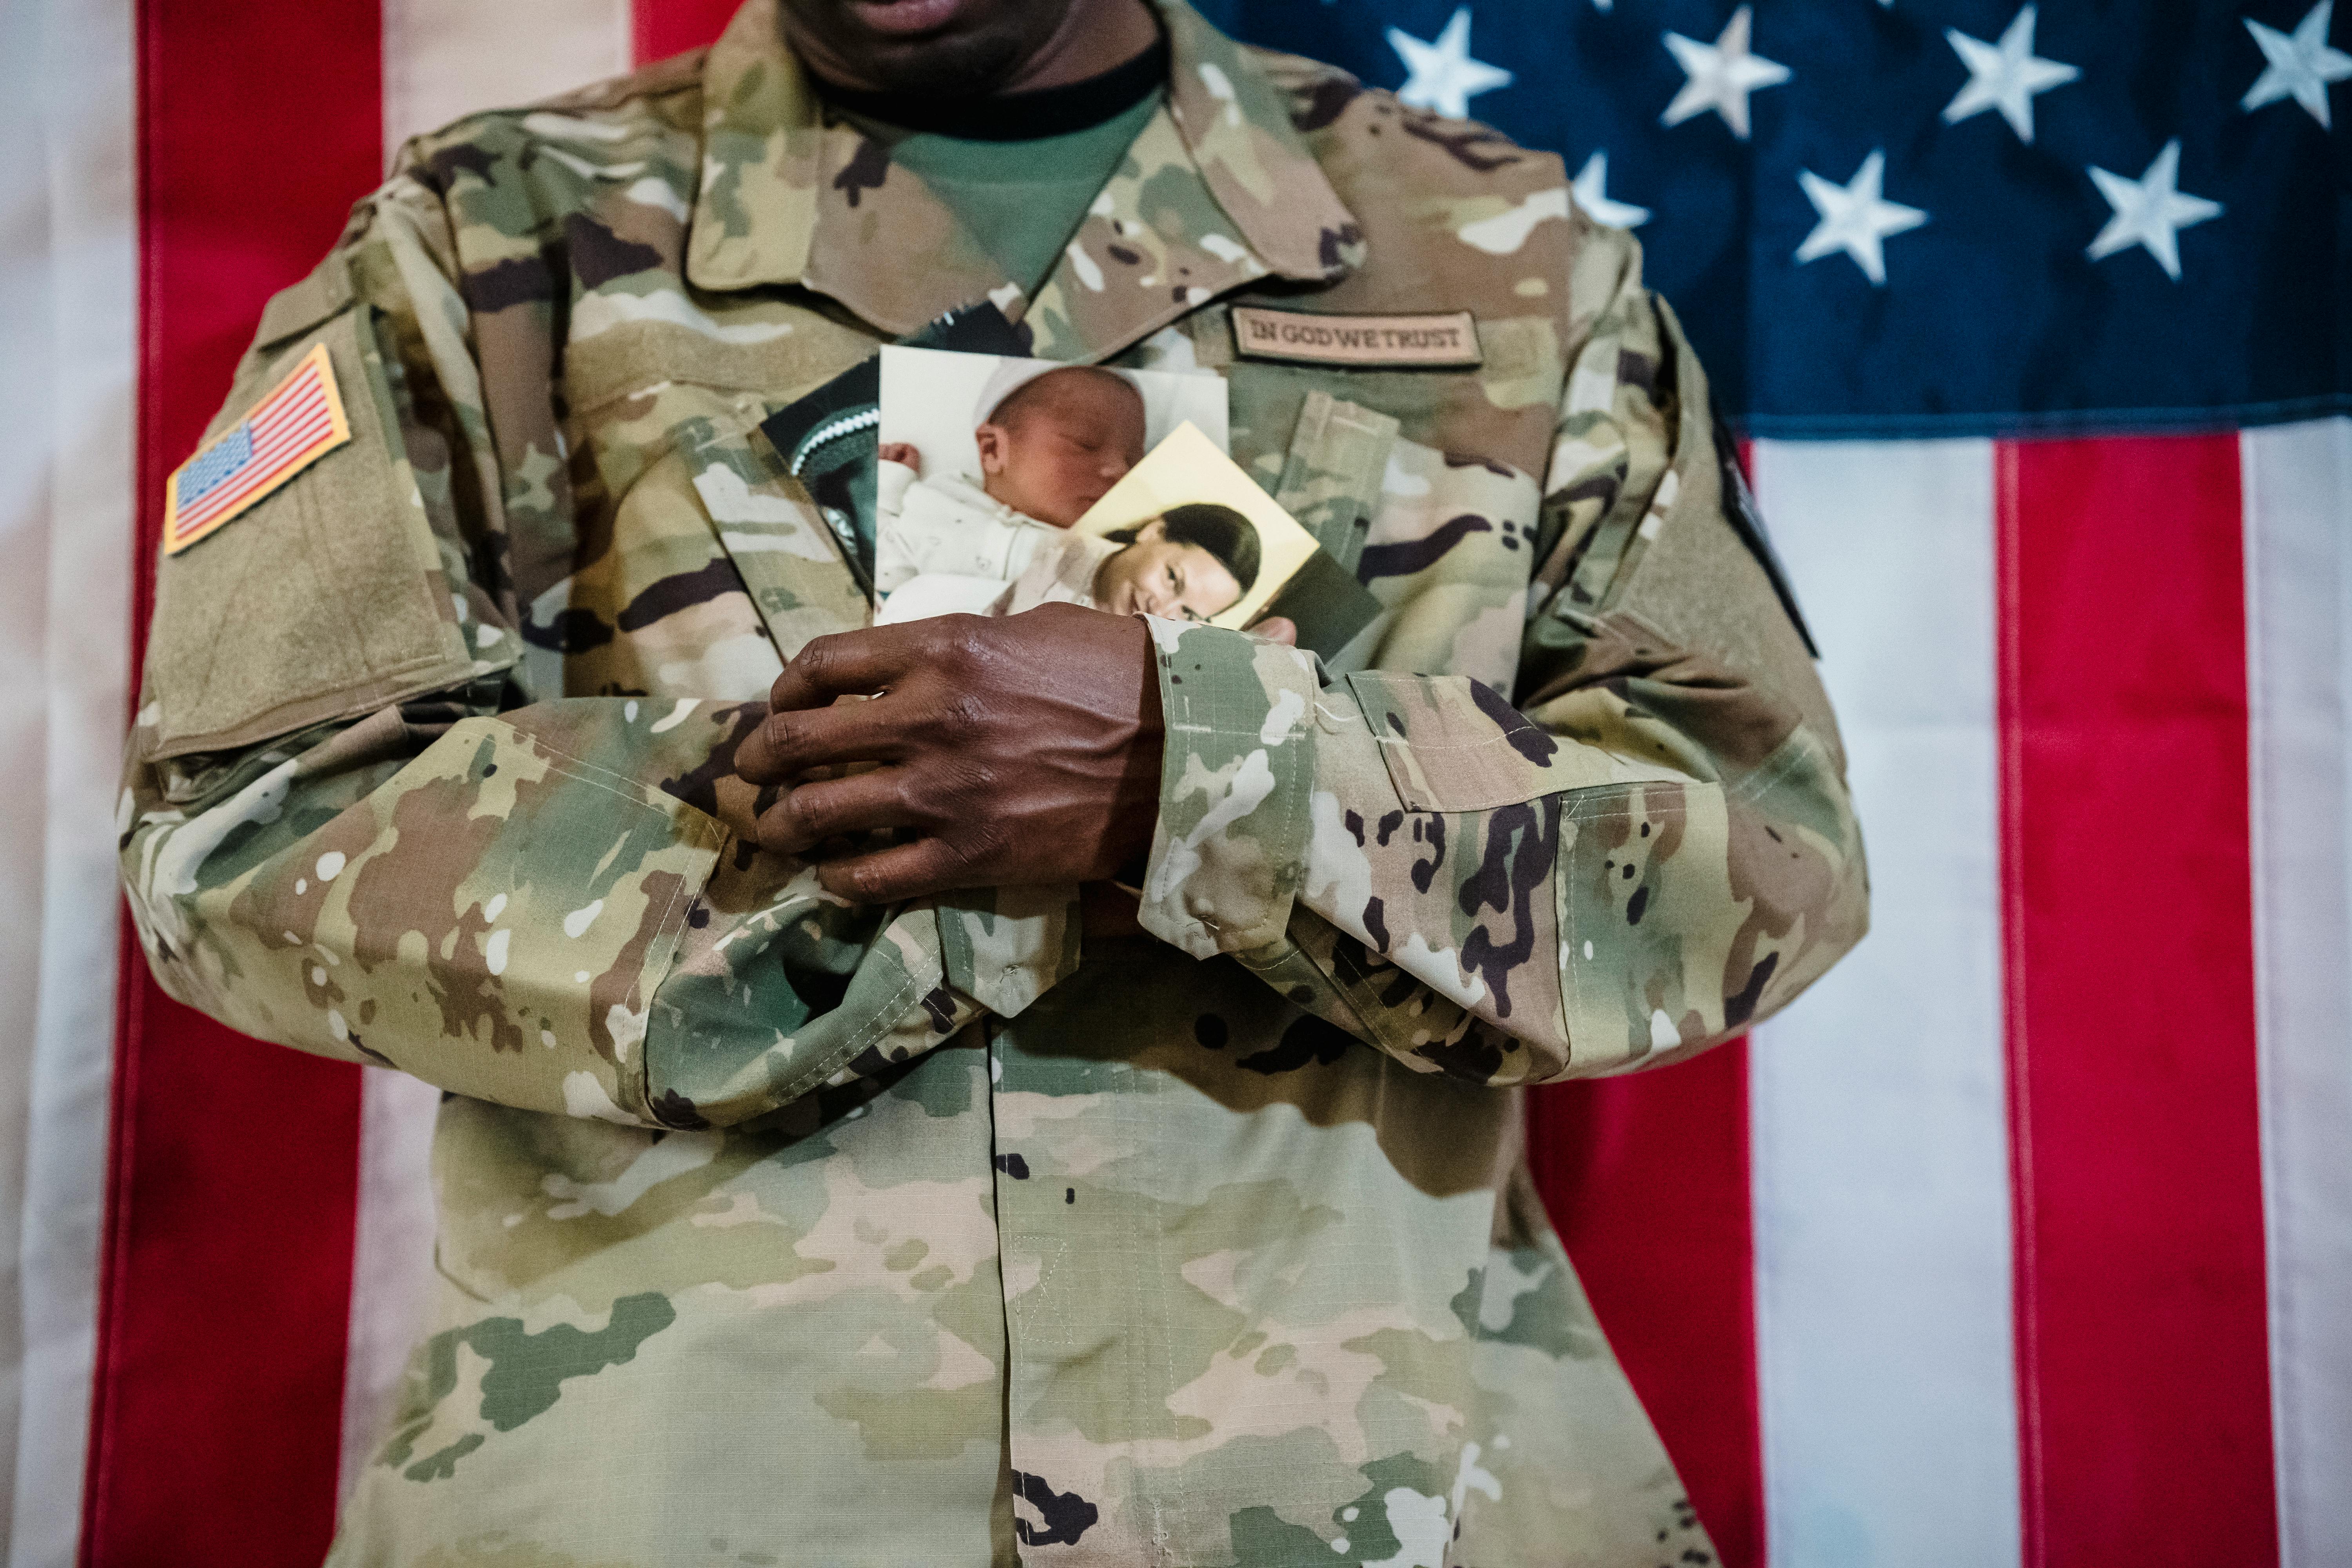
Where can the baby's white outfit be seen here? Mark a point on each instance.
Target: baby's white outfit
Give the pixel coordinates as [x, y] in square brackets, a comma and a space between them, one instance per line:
[947, 524]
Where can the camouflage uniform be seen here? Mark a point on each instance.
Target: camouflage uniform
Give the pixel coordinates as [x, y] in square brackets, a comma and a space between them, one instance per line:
[775, 1230]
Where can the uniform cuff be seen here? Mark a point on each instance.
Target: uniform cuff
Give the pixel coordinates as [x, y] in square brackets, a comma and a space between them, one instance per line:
[1005, 947]
[1231, 844]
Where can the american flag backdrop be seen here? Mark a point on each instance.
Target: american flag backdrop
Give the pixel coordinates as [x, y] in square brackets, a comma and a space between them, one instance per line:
[2025, 1239]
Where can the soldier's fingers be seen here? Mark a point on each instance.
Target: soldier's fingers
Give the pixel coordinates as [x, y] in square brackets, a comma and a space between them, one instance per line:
[847, 664]
[788, 743]
[933, 865]
[1277, 629]
[807, 817]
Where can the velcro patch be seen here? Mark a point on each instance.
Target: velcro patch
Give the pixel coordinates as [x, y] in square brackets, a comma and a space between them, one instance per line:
[1448, 340]
[300, 421]
[1370, 342]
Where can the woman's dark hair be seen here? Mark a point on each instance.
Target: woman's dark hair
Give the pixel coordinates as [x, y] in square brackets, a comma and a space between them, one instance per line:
[1219, 529]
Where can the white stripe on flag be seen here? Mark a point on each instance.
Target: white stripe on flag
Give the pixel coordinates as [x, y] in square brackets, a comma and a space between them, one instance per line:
[27, 345]
[73, 63]
[1881, 1153]
[443, 59]
[2297, 483]
[392, 1255]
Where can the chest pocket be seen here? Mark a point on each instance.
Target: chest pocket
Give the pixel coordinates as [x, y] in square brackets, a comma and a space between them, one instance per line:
[323, 601]
[1331, 475]
[1331, 484]
[1441, 461]
[799, 576]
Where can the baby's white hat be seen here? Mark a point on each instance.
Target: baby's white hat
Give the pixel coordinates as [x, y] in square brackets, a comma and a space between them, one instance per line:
[1011, 375]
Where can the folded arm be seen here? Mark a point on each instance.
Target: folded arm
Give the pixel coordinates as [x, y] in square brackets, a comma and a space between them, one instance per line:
[1647, 847]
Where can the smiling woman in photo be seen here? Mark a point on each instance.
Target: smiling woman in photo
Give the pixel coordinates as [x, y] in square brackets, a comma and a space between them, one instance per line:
[1191, 563]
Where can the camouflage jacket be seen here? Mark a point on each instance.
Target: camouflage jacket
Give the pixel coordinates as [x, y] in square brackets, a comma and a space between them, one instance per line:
[774, 1229]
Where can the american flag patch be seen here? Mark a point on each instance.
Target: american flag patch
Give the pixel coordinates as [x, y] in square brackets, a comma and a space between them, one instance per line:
[300, 420]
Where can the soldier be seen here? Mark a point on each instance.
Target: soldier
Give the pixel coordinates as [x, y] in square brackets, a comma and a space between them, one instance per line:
[812, 1197]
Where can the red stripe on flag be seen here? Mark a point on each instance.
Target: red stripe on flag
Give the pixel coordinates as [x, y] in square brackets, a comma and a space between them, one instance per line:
[667, 27]
[305, 384]
[216, 1400]
[2143, 1393]
[307, 397]
[1646, 1180]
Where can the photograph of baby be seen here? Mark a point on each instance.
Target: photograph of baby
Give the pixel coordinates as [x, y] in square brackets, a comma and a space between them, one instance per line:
[987, 465]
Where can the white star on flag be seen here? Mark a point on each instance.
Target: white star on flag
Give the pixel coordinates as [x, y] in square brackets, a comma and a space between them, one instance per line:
[1443, 76]
[1720, 76]
[2150, 211]
[2004, 75]
[1592, 188]
[1854, 218]
[2299, 65]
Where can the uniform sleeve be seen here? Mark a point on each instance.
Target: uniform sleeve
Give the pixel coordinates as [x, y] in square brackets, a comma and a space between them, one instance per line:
[1642, 849]
[348, 827]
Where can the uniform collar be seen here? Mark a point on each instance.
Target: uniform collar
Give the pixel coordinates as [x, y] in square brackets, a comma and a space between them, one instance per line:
[786, 199]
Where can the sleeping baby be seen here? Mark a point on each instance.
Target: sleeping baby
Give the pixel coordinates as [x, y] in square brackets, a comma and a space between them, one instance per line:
[1051, 442]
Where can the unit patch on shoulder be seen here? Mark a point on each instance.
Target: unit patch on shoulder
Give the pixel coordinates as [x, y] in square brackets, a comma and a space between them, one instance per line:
[1444, 341]
[300, 421]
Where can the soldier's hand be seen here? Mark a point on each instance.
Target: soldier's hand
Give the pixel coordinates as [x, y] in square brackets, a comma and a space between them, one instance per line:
[1018, 751]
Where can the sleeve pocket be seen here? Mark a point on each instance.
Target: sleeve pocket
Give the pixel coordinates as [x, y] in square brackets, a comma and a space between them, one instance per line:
[323, 601]
[1452, 745]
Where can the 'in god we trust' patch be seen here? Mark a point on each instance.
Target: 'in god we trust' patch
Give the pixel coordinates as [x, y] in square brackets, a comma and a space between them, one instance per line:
[299, 422]
[1442, 341]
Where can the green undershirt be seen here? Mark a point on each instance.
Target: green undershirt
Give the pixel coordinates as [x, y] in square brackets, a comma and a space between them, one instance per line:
[1021, 200]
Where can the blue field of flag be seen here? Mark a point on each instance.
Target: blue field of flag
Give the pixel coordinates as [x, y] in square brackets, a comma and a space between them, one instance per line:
[1933, 216]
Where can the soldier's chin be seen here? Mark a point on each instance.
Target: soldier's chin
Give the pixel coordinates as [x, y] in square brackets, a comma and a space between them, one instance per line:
[952, 48]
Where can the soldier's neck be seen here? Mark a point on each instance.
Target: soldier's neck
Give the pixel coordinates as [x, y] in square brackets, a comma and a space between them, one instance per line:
[1095, 37]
